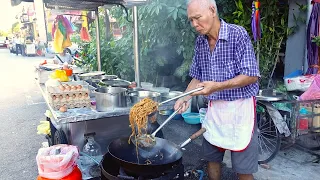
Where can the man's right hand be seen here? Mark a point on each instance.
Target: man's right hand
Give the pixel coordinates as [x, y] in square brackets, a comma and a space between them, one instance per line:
[181, 102]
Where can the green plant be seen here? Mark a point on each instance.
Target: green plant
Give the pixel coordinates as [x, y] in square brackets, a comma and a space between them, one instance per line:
[316, 40]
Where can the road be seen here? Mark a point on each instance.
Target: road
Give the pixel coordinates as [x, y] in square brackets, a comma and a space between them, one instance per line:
[21, 109]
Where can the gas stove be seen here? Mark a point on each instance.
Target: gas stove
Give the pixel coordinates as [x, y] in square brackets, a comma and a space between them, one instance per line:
[113, 171]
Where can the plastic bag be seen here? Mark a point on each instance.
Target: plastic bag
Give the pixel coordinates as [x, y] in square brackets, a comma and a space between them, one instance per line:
[57, 162]
[313, 92]
[44, 127]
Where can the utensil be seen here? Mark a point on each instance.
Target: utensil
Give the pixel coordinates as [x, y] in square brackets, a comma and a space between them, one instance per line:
[182, 95]
[146, 141]
[137, 96]
[108, 77]
[162, 158]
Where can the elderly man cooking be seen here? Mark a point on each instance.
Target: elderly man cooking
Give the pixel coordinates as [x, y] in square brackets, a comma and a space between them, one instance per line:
[224, 64]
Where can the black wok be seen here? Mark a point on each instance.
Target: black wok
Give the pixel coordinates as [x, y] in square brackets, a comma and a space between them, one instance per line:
[162, 158]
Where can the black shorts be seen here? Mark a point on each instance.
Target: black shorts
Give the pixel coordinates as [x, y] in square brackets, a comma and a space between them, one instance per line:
[243, 162]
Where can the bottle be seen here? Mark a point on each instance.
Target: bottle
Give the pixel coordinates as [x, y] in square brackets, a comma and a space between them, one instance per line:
[303, 121]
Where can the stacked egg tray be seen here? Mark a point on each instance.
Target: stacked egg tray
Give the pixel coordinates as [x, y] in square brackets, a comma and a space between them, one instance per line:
[76, 97]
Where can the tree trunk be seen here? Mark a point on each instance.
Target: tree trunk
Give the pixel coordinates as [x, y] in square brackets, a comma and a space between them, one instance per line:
[107, 23]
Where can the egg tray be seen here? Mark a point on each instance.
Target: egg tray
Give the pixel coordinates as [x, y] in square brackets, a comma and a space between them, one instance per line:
[71, 105]
[56, 89]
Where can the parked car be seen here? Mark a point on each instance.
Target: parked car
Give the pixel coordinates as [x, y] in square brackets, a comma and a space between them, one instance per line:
[3, 42]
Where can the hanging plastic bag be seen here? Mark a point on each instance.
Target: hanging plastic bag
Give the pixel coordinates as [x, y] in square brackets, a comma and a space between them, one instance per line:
[57, 162]
[313, 92]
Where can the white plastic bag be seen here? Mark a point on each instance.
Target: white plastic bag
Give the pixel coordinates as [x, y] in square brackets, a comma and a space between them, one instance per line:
[57, 162]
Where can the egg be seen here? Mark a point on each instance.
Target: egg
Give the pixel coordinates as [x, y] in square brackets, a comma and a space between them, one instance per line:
[63, 109]
[86, 95]
[54, 97]
[67, 96]
[74, 87]
[74, 96]
[62, 88]
[79, 87]
[68, 88]
[60, 97]
[80, 95]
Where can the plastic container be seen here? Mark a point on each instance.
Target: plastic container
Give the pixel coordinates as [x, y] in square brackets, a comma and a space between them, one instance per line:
[92, 150]
[191, 118]
[303, 121]
[202, 112]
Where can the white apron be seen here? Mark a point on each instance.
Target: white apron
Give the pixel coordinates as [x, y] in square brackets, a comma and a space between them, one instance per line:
[229, 124]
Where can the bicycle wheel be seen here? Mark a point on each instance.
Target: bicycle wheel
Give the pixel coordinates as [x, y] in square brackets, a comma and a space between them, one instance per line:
[268, 135]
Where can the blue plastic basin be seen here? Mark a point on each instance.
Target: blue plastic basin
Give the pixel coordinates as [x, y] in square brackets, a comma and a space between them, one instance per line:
[191, 118]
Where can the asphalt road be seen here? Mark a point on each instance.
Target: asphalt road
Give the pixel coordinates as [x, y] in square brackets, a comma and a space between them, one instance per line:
[21, 109]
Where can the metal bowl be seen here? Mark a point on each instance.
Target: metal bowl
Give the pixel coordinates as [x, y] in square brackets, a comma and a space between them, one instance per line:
[116, 83]
[137, 96]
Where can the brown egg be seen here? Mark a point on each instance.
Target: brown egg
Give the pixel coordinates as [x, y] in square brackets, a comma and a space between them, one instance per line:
[68, 88]
[60, 97]
[63, 109]
[86, 95]
[74, 96]
[80, 95]
[62, 88]
[54, 97]
[67, 96]
[74, 87]
[79, 87]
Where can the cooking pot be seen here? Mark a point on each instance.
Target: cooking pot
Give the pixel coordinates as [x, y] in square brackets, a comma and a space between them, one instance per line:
[108, 77]
[110, 97]
[137, 96]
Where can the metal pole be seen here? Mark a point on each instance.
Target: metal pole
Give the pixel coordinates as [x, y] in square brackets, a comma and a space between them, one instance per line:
[136, 46]
[98, 40]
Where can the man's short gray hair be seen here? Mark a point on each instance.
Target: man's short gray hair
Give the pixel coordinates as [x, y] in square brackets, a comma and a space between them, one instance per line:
[211, 2]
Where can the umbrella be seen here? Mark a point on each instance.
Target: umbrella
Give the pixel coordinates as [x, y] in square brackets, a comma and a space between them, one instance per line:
[256, 25]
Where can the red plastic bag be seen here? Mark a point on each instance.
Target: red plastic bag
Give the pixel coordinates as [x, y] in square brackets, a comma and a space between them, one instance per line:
[57, 162]
[313, 92]
[75, 175]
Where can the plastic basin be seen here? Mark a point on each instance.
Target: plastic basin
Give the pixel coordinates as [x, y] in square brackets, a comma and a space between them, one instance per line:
[191, 118]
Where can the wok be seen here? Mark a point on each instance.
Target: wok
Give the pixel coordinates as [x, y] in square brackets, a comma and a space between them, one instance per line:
[164, 156]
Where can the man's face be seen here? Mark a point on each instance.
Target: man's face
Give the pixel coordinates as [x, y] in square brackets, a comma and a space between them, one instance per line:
[201, 16]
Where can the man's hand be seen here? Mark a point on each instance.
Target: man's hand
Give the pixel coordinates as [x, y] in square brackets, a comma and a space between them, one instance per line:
[209, 88]
[181, 102]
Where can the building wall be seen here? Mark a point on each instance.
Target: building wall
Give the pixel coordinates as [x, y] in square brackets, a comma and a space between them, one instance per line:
[295, 57]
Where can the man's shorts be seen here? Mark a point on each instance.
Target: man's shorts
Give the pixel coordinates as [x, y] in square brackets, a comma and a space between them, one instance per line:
[243, 162]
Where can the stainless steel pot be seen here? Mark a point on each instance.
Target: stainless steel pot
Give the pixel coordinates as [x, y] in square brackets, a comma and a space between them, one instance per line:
[137, 96]
[167, 96]
[110, 97]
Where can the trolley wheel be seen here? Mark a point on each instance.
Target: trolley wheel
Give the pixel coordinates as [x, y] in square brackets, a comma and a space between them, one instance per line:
[269, 140]
[60, 137]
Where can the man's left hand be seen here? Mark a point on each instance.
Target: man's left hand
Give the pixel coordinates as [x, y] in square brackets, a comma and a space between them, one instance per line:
[209, 88]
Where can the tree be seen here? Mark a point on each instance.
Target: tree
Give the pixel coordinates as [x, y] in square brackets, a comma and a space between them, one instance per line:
[15, 27]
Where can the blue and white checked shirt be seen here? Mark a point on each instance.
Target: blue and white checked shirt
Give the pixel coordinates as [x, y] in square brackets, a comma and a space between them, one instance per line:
[232, 56]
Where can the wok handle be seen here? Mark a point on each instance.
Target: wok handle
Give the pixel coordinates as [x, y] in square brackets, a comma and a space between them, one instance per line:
[198, 133]
[193, 136]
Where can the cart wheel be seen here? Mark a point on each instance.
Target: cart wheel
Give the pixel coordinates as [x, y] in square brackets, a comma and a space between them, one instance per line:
[60, 137]
[268, 135]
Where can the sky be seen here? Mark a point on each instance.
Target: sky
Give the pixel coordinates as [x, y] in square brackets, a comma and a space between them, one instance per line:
[8, 13]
